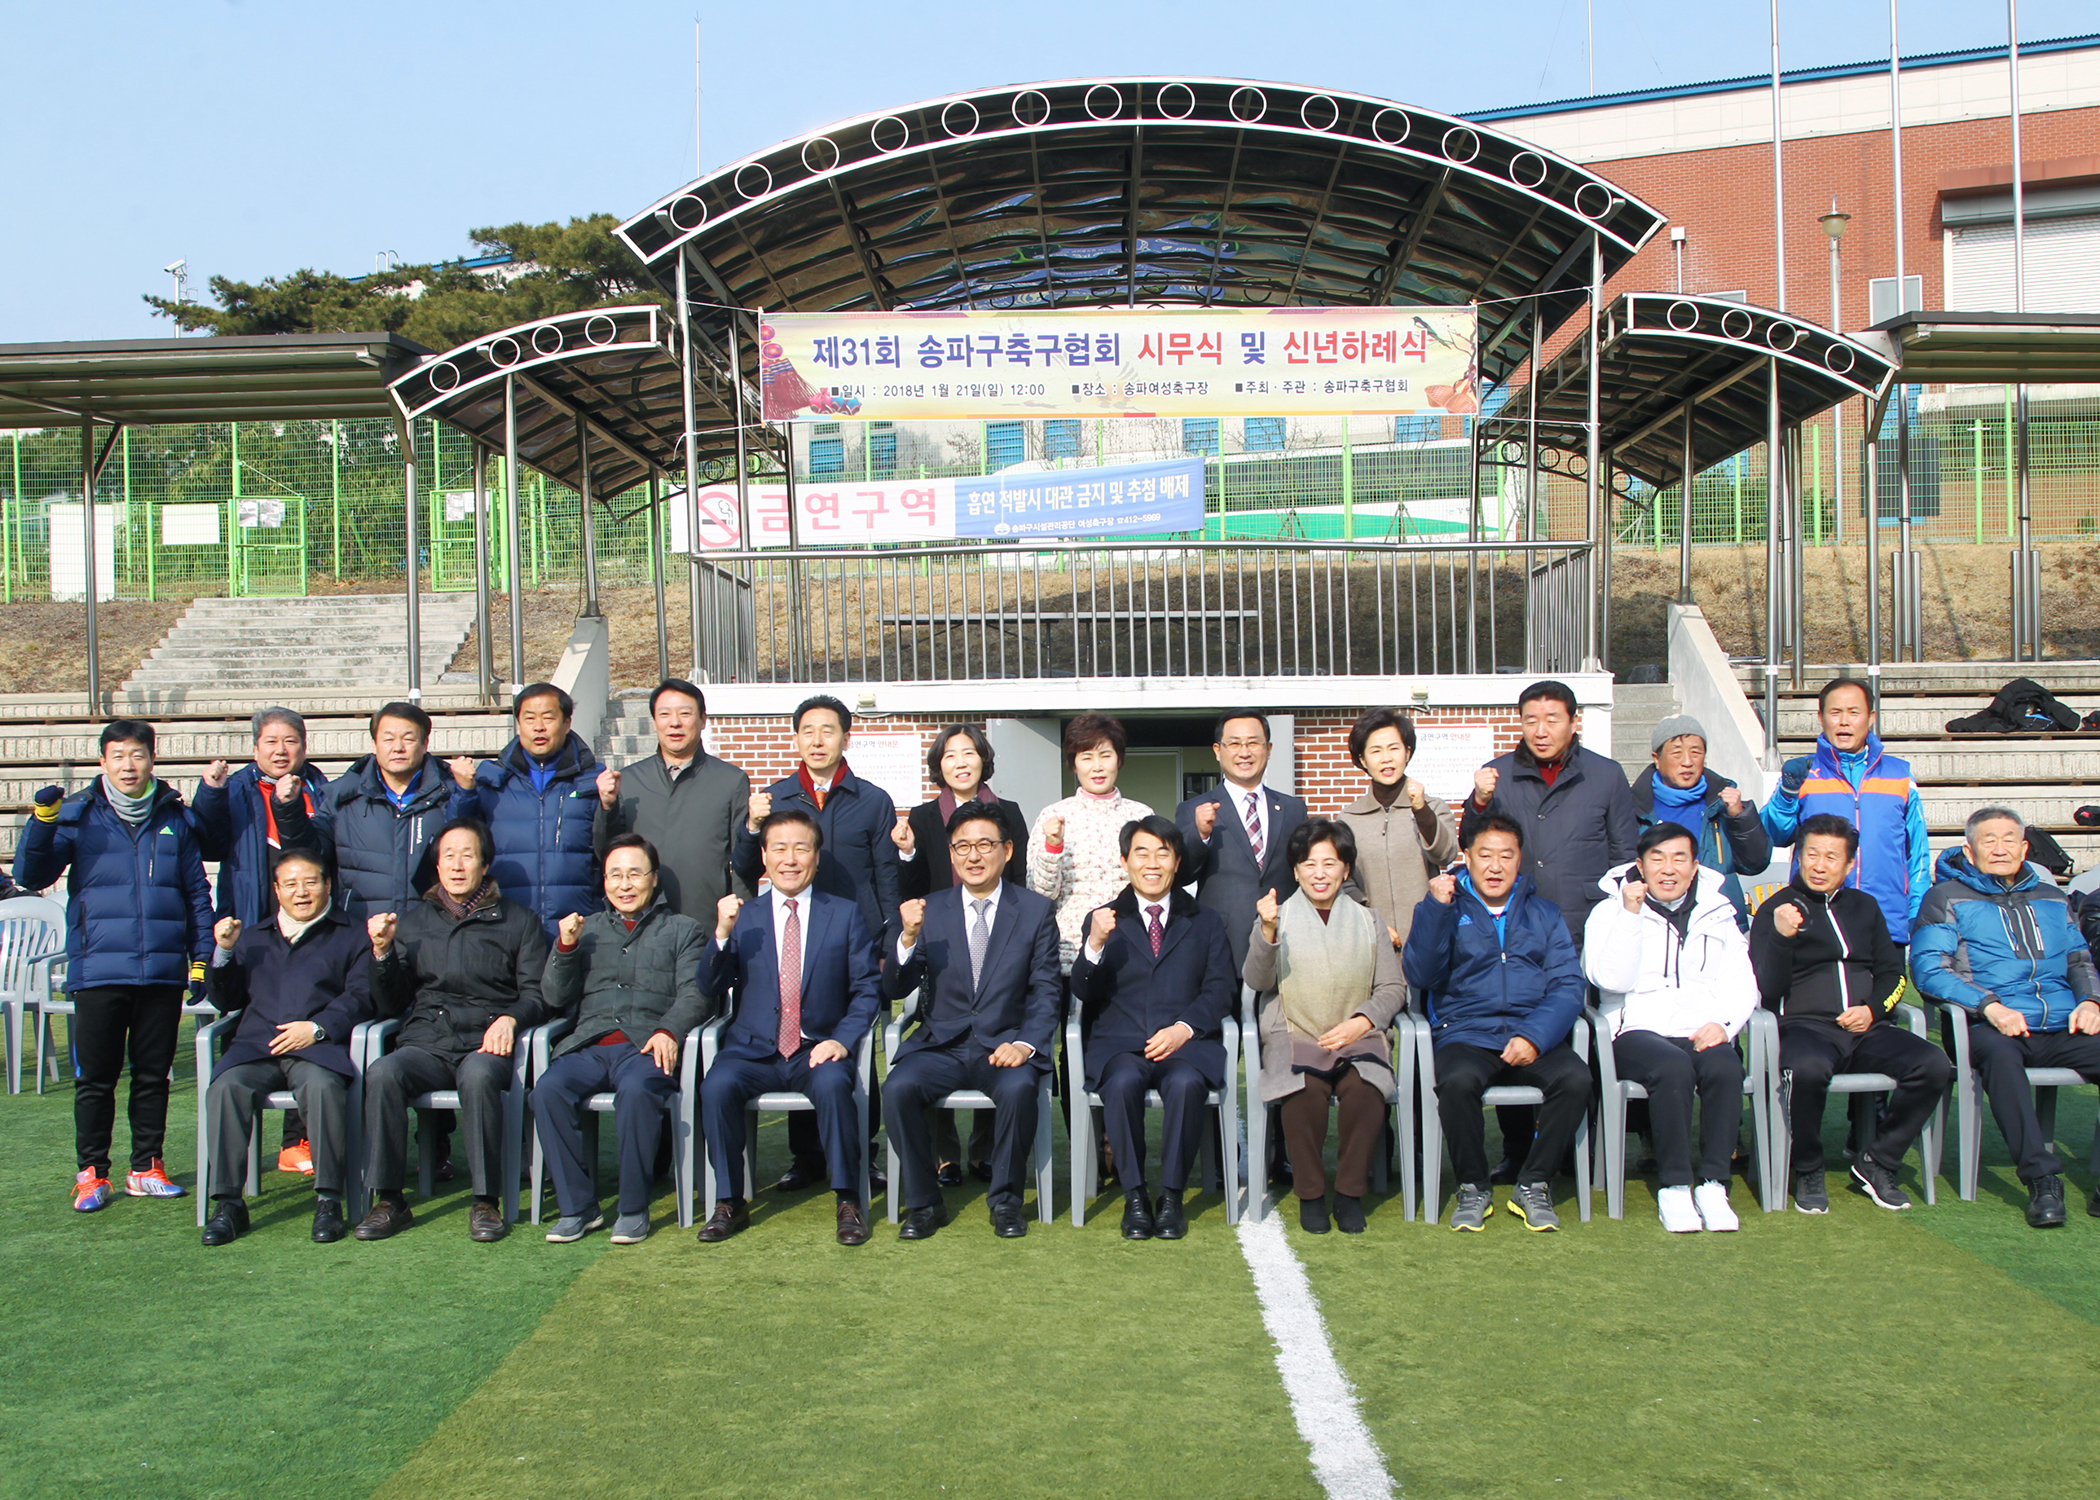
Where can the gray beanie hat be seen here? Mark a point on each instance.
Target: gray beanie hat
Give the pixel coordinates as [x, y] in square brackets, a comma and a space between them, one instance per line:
[1672, 727]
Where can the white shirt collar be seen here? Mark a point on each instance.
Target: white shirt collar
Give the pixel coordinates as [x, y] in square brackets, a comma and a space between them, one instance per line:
[991, 911]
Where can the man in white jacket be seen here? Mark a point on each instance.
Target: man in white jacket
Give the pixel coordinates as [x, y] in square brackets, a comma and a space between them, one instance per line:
[1676, 983]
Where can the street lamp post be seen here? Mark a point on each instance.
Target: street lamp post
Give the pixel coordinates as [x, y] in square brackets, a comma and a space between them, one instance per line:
[1834, 225]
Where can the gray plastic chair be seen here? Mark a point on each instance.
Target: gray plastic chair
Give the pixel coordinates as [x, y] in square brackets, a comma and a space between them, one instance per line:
[32, 935]
[787, 1102]
[1400, 1104]
[683, 1117]
[1859, 1086]
[971, 1100]
[1968, 1100]
[1221, 1161]
[368, 1043]
[1500, 1094]
[211, 1037]
[1613, 1092]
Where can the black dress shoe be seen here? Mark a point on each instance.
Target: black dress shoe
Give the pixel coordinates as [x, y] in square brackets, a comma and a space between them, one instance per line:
[384, 1221]
[1312, 1216]
[1504, 1170]
[981, 1170]
[853, 1224]
[948, 1174]
[444, 1172]
[726, 1220]
[228, 1222]
[1137, 1215]
[802, 1175]
[1008, 1222]
[920, 1223]
[485, 1224]
[1348, 1214]
[1169, 1222]
[328, 1221]
[877, 1182]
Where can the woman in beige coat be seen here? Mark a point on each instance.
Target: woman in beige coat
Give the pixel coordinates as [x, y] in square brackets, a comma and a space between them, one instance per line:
[1328, 986]
[1403, 835]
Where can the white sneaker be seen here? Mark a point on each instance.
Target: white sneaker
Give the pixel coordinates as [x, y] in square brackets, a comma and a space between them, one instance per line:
[1712, 1199]
[1673, 1205]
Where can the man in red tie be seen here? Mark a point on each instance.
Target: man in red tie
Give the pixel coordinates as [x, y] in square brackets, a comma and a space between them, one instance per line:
[802, 968]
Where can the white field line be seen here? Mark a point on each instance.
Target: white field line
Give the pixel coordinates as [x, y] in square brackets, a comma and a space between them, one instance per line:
[1345, 1457]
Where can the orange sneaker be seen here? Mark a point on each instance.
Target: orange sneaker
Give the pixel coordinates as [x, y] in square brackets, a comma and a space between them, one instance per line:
[154, 1182]
[299, 1158]
[91, 1190]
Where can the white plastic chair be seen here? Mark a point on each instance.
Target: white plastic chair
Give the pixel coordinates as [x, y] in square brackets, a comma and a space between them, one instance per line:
[211, 1037]
[787, 1101]
[972, 1100]
[32, 935]
[369, 1043]
[1400, 1103]
[1613, 1092]
[1968, 1100]
[1495, 1097]
[1859, 1086]
[1221, 1160]
[683, 1117]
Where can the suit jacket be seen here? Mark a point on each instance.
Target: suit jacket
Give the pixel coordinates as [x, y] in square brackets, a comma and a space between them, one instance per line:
[841, 981]
[1225, 873]
[1015, 999]
[933, 871]
[859, 861]
[1129, 994]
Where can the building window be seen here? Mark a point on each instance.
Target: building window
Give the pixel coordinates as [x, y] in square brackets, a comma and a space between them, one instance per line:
[1259, 433]
[827, 455]
[1417, 429]
[1199, 434]
[1061, 438]
[1005, 444]
[882, 446]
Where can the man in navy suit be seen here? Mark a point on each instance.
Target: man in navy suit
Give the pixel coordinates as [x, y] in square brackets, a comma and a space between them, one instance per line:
[983, 955]
[807, 984]
[1155, 977]
[1236, 831]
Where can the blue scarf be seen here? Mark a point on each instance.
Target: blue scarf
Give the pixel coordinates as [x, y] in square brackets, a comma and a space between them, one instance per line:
[1684, 806]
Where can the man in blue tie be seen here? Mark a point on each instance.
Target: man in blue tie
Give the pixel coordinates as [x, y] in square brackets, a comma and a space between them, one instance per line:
[983, 956]
[806, 982]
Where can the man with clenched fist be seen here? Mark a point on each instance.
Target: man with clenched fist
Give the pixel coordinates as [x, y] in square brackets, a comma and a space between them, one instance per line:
[689, 804]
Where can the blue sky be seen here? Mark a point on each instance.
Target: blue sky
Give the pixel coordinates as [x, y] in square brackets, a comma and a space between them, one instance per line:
[253, 137]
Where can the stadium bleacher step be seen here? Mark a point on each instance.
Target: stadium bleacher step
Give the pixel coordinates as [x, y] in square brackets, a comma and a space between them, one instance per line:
[323, 641]
[1636, 708]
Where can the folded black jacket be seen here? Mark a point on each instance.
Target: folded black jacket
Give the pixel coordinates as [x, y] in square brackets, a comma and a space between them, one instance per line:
[1842, 956]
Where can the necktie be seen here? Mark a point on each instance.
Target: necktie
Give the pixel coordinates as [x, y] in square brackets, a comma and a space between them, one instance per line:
[791, 983]
[980, 937]
[1254, 824]
[1158, 933]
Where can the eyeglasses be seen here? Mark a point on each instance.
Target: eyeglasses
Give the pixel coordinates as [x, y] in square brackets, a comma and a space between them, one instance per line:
[979, 847]
[301, 887]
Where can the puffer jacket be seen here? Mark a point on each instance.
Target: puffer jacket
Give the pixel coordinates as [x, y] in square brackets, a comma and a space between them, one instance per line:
[138, 905]
[382, 853]
[1574, 830]
[637, 982]
[1734, 844]
[449, 980]
[1650, 981]
[545, 858]
[1980, 939]
[232, 830]
[1487, 981]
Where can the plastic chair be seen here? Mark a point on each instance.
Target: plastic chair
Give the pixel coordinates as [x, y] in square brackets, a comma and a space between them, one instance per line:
[1968, 1097]
[1858, 1085]
[683, 1118]
[368, 1043]
[32, 934]
[1613, 1093]
[1400, 1101]
[1223, 1161]
[1500, 1094]
[211, 1035]
[787, 1102]
[972, 1100]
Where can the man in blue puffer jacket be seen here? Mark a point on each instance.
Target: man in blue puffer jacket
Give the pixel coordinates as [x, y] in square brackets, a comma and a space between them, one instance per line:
[1504, 990]
[540, 800]
[382, 816]
[138, 930]
[1997, 945]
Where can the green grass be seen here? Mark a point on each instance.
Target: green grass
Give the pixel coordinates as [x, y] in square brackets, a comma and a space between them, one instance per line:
[1948, 1351]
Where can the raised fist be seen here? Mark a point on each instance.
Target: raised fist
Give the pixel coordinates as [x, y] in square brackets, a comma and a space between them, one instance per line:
[1104, 925]
[725, 914]
[761, 808]
[1633, 893]
[1267, 909]
[462, 769]
[1794, 773]
[901, 835]
[1054, 831]
[913, 915]
[1787, 919]
[289, 787]
[608, 788]
[571, 929]
[1443, 887]
[51, 796]
[1206, 820]
[1416, 797]
[1732, 799]
[379, 927]
[215, 774]
[1484, 781]
[227, 932]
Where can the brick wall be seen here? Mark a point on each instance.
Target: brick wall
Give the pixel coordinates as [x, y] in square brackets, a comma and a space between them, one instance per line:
[763, 746]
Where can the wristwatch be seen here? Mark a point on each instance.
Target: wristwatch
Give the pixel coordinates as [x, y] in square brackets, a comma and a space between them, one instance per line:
[319, 1034]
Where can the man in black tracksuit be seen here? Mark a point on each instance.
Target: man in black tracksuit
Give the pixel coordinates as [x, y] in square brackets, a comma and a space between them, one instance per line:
[1826, 963]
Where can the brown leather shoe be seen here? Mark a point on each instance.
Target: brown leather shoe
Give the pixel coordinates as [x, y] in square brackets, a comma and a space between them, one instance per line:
[485, 1224]
[384, 1221]
[853, 1224]
[725, 1221]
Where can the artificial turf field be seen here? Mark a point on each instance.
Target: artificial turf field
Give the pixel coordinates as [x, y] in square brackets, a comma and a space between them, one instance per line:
[1948, 1351]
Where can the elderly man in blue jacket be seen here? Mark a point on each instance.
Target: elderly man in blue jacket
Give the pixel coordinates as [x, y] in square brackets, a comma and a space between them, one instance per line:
[1504, 989]
[539, 799]
[1996, 945]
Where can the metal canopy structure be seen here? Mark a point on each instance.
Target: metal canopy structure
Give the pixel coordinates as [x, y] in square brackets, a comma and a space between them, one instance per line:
[1125, 191]
[1666, 358]
[1989, 348]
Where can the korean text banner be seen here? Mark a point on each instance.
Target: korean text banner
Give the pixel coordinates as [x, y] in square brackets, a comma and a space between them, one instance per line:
[1126, 500]
[1116, 362]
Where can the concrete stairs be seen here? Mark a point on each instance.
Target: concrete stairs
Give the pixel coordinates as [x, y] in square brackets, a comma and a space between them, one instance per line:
[624, 735]
[328, 641]
[1636, 708]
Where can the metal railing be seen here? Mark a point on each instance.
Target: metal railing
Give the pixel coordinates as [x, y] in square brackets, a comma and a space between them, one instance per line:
[1204, 610]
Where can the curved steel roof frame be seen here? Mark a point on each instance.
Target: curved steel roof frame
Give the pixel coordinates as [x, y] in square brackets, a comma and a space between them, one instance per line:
[1123, 191]
[1662, 351]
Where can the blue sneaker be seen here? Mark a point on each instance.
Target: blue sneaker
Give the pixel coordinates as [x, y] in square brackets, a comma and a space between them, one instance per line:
[91, 1190]
[154, 1182]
